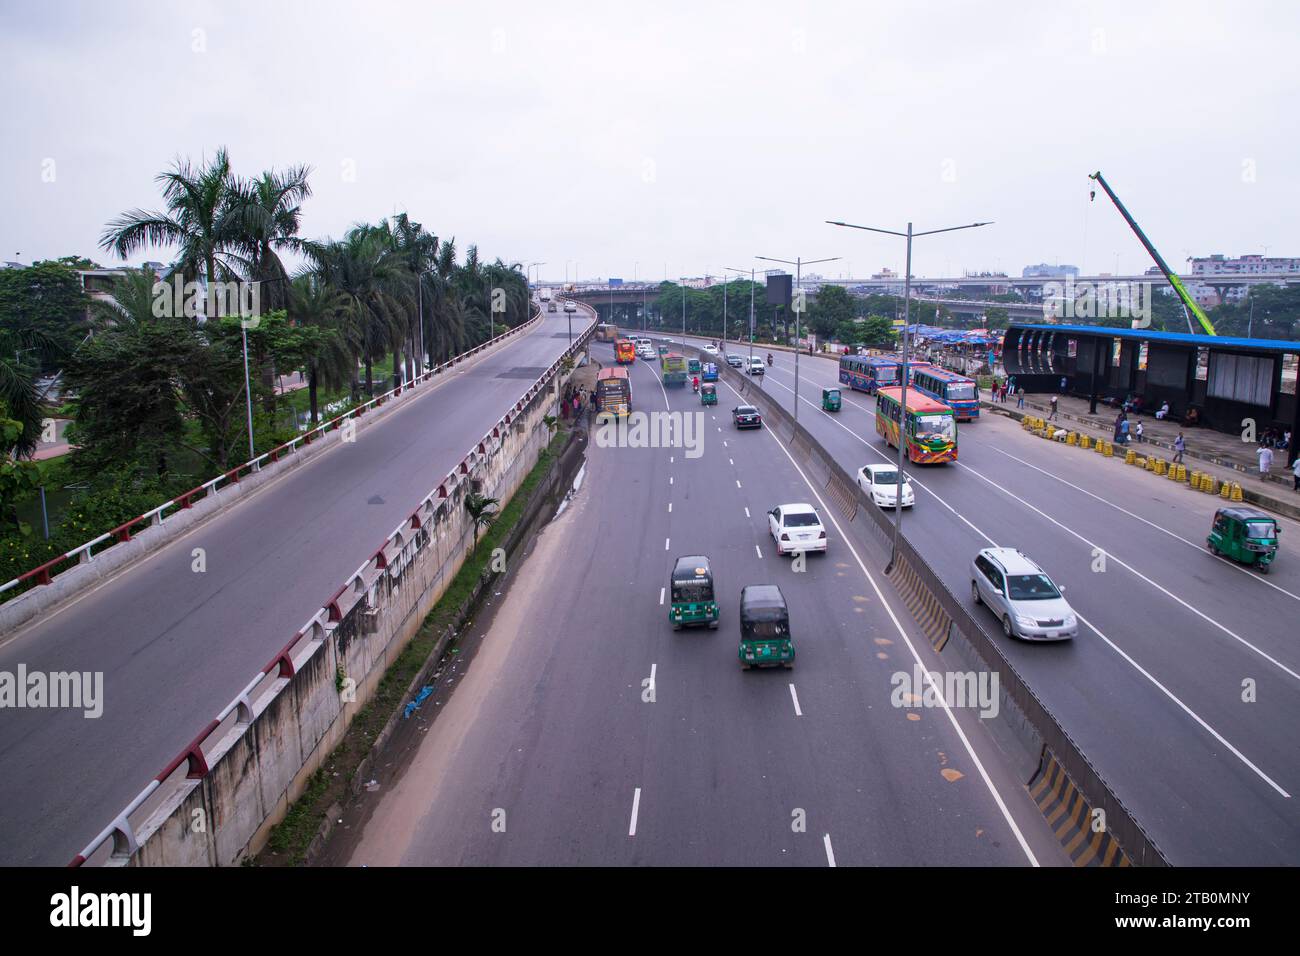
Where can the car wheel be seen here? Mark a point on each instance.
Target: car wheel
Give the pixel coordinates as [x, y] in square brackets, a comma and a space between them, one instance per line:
[745, 665]
[1006, 627]
[676, 626]
[1263, 569]
[788, 665]
[713, 625]
[975, 593]
[1213, 550]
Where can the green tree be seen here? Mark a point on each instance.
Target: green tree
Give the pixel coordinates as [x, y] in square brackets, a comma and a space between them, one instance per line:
[483, 513]
[17, 478]
[832, 308]
[45, 299]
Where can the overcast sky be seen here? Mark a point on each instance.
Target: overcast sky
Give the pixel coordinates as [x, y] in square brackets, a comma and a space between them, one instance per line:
[675, 138]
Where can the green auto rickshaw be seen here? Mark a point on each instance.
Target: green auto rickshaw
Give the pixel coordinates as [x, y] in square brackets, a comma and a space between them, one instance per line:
[764, 628]
[708, 394]
[691, 585]
[663, 350]
[831, 399]
[693, 367]
[1246, 535]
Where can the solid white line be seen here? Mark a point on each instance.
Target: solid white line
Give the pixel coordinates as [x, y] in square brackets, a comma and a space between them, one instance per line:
[661, 596]
[636, 806]
[795, 697]
[1190, 713]
[907, 640]
[1163, 590]
[830, 854]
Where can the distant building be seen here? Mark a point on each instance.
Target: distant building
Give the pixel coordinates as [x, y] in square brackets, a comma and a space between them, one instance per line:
[1217, 265]
[1043, 270]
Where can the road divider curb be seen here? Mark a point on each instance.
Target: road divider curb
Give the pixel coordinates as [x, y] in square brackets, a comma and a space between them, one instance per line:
[1068, 812]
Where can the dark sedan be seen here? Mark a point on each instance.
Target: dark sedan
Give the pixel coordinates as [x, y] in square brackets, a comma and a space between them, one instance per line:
[746, 416]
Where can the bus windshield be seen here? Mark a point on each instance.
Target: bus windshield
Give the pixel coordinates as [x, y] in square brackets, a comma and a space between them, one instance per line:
[961, 392]
[936, 426]
[886, 374]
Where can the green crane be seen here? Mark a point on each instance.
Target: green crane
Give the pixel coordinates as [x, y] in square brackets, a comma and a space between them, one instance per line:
[1190, 307]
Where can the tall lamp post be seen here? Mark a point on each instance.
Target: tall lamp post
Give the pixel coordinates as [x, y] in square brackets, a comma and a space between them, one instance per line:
[798, 314]
[907, 317]
[682, 280]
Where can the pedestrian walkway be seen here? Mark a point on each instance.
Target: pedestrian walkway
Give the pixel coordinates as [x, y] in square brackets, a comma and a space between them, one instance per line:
[1224, 456]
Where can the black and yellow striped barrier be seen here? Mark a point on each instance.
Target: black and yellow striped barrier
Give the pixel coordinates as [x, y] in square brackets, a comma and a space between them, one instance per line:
[921, 604]
[1070, 817]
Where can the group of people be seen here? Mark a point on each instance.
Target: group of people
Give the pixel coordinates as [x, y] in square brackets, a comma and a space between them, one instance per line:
[1007, 386]
[574, 400]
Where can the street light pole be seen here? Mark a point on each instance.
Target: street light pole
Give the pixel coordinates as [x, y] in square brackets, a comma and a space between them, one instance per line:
[682, 279]
[798, 314]
[907, 301]
[248, 392]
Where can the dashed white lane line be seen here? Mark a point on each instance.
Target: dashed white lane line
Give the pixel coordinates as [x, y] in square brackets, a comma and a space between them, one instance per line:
[794, 696]
[731, 461]
[636, 806]
[916, 657]
[670, 479]
[758, 551]
[661, 595]
[670, 507]
[737, 482]
[666, 540]
[830, 854]
[747, 511]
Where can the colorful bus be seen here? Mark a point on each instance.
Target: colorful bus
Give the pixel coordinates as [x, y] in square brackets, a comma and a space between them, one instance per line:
[613, 392]
[867, 373]
[625, 351]
[674, 369]
[958, 392]
[931, 426]
[606, 332]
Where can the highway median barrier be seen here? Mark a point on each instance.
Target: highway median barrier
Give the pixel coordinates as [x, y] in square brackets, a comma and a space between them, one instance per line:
[1033, 739]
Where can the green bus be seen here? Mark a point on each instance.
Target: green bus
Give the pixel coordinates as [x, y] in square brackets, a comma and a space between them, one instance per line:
[674, 369]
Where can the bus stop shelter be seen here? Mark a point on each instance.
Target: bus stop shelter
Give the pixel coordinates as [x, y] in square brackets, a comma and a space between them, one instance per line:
[1229, 381]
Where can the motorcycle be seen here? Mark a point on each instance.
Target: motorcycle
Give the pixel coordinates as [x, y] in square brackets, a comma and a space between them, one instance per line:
[769, 359]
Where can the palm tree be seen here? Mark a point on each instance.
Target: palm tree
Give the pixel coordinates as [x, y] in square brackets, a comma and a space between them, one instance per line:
[418, 249]
[314, 304]
[483, 512]
[367, 272]
[263, 221]
[18, 392]
[131, 303]
[197, 220]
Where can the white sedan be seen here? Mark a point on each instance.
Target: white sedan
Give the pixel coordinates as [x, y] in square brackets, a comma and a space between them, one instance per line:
[710, 350]
[880, 482]
[795, 528]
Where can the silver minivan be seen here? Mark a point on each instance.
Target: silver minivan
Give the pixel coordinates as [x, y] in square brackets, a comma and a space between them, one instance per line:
[1020, 593]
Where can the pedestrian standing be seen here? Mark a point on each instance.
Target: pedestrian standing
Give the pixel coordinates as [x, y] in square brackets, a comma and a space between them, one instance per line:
[1180, 446]
[1052, 414]
[1265, 461]
[1119, 425]
[1063, 384]
[1138, 431]
[1123, 432]
[1020, 397]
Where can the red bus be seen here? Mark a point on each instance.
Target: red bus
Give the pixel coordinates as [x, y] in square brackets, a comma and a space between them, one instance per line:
[624, 352]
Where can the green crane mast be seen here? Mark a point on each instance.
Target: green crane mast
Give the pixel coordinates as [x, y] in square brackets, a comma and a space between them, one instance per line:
[1190, 307]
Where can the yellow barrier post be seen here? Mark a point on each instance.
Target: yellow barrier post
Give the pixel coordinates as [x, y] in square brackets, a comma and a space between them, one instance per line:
[1085, 442]
[1236, 492]
[1160, 467]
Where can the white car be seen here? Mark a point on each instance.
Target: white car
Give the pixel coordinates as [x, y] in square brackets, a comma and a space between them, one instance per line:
[796, 527]
[1019, 592]
[645, 352]
[880, 482]
[710, 350]
[570, 307]
[756, 366]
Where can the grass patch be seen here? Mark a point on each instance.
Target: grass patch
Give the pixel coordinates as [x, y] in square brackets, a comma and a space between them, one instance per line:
[290, 838]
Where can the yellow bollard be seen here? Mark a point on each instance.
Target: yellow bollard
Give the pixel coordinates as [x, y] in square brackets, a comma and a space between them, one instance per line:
[1160, 467]
[1236, 491]
[1182, 472]
[1208, 482]
[1072, 439]
[1226, 491]
[1194, 482]
[1085, 442]
[1151, 464]
[1130, 457]
[1109, 451]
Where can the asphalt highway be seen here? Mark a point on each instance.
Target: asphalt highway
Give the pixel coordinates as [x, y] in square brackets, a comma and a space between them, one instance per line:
[175, 646]
[546, 752]
[1183, 686]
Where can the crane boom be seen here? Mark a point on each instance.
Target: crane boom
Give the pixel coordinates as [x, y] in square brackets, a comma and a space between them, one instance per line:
[1190, 307]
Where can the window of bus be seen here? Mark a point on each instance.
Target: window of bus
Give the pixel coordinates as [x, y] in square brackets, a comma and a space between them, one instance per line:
[935, 426]
[961, 391]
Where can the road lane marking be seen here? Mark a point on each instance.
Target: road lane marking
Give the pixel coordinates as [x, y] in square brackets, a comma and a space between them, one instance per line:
[747, 511]
[1163, 590]
[1191, 544]
[666, 540]
[661, 596]
[1190, 713]
[670, 507]
[731, 461]
[737, 482]
[939, 693]
[794, 696]
[758, 551]
[830, 854]
[636, 806]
